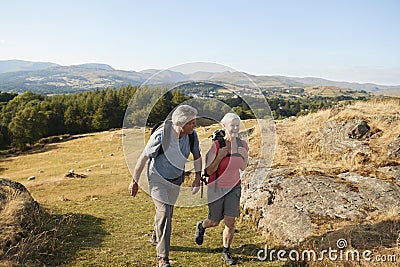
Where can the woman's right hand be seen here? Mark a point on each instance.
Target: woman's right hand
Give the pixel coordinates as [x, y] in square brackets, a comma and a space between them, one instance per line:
[222, 152]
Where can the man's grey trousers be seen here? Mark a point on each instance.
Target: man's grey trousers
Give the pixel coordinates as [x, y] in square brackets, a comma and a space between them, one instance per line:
[164, 194]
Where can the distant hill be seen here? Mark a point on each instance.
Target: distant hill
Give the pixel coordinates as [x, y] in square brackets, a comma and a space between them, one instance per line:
[369, 87]
[68, 79]
[49, 78]
[21, 65]
[164, 76]
[95, 66]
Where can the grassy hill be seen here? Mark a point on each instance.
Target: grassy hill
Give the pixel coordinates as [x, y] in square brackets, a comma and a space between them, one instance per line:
[94, 221]
[99, 223]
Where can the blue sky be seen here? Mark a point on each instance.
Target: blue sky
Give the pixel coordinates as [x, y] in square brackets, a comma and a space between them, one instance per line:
[340, 40]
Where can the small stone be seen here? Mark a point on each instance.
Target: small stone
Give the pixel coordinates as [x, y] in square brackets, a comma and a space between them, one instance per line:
[30, 178]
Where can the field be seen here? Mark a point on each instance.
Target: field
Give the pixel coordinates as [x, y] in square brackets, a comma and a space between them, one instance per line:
[101, 224]
[93, 221]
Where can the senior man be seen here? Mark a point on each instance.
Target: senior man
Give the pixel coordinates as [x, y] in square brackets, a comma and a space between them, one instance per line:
[168, 150]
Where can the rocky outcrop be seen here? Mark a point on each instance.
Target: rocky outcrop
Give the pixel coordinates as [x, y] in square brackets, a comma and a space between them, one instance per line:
[393, 172]
[293, 209]
[394, 148]
[344, 138]
[17, 211]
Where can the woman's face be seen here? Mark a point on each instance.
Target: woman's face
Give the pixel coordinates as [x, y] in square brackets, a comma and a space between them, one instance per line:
[232, 128]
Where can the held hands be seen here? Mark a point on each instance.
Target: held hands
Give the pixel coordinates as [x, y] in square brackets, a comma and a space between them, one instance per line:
[195, 186]
[222, 152]
[133, 188]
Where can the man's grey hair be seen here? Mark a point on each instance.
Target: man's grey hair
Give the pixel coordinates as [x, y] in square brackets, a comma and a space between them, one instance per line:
[183, 114]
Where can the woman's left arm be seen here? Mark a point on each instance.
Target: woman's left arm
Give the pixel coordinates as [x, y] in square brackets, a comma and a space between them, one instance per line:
[245, 154]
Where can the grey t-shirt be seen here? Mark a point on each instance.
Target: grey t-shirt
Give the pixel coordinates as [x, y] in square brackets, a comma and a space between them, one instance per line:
[171, 163]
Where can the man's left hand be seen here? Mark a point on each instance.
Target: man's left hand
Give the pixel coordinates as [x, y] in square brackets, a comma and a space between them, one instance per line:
[195, 186]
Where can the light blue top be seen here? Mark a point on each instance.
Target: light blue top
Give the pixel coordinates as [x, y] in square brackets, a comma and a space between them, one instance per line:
[171, 163]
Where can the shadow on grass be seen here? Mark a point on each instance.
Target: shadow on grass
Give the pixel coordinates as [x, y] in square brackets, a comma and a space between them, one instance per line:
[59, 238]
[43, 145]
[36, 149]
[195, 249]
[2, 169]
[245, 253]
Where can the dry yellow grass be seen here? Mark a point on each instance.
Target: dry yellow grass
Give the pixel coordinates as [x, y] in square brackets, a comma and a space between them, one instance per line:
[103, 159]
[294, 150]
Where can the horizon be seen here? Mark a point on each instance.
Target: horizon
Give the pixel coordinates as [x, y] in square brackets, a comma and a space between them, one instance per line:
[350, 41]
[185, 72]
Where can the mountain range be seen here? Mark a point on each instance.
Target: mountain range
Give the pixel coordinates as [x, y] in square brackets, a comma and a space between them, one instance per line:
[50, 78]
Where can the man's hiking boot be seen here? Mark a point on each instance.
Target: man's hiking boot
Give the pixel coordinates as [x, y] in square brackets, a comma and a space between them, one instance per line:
[227, 258]
[199, 235]
[163, 262]
[153, 239]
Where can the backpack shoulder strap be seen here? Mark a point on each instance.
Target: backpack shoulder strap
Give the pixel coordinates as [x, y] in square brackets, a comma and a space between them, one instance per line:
[166, 137]
[239, 142]
[156, 126]
[191, 142]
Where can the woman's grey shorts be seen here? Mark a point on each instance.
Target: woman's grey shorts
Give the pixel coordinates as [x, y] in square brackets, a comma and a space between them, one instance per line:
[224, 201]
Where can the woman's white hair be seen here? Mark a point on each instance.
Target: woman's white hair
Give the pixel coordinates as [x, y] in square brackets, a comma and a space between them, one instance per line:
[229, 117]
[183, 114]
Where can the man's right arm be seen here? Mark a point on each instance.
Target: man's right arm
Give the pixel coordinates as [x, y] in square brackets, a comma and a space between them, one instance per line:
[141, 162]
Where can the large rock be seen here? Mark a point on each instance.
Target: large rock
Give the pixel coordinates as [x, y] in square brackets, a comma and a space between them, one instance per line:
[293, 209]
[18, 210]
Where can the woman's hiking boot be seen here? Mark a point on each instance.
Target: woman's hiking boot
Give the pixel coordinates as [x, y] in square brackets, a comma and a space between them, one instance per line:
[163, 262]
[199, 235]
[227, 258]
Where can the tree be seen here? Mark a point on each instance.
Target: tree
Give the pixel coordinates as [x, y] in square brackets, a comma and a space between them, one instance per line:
[27, 126]
[100, 121]
[73, 119]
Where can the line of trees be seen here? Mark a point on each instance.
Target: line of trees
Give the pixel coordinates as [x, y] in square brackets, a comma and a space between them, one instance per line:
[27, 117]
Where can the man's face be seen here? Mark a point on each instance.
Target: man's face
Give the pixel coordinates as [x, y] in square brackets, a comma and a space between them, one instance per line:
[189, 127]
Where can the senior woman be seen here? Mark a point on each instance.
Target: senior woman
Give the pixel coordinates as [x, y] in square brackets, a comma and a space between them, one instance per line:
[224, 161]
